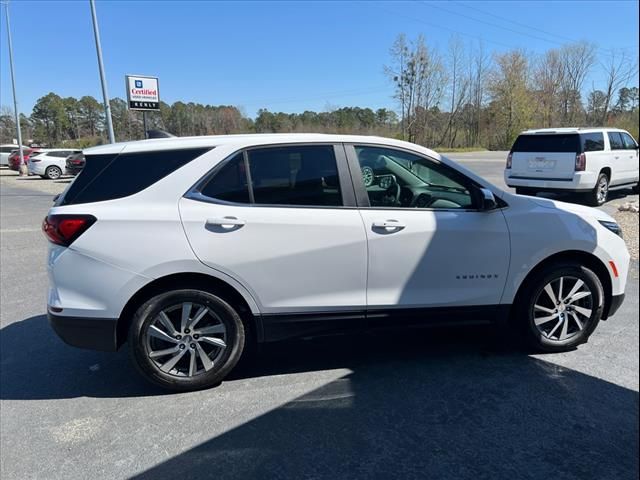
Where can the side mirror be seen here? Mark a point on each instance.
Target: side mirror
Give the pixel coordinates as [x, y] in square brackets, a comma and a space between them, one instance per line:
[487, 200]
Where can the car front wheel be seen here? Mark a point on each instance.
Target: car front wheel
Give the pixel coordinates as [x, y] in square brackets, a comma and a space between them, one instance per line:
[186, 339]
[560, 307]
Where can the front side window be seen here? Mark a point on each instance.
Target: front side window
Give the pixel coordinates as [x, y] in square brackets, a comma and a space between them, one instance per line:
[305, 175]
[592, 142]
[616, 141]
[397, 179]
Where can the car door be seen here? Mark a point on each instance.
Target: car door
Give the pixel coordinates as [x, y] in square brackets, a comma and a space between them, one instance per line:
[428, 244]
[282, 221]
[621, 170]
[630, 157]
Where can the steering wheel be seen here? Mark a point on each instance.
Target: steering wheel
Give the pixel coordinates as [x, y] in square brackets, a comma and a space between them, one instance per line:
[392, 192]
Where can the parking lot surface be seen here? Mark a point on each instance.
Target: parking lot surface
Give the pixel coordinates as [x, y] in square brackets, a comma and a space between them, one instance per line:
[429, 404]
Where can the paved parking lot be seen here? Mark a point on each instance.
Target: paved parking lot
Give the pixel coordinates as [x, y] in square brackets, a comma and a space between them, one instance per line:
[432, 404]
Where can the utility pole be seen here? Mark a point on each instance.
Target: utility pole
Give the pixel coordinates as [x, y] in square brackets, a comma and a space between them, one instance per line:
[105, 95]
[23, 166]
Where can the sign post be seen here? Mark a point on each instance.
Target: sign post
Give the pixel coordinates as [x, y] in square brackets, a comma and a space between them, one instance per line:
[143, 94]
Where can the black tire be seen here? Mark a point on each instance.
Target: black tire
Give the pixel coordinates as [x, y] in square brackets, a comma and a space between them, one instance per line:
[222, 365]
[53, 173]
[526, 191]
[635, 189]
[595, 198]
[531, 291]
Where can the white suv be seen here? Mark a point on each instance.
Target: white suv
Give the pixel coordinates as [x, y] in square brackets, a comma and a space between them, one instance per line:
[51, 163]
[193, 249]
[587, 160]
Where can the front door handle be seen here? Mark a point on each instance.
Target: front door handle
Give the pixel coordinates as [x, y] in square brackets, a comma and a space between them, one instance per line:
[388, 225]
[225, 222]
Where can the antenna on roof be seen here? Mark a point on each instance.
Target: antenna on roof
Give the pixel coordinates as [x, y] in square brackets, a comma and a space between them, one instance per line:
[159, 134]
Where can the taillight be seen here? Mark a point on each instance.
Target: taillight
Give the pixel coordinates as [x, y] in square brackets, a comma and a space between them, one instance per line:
[509, 159]
[64, 229]
[581, 162]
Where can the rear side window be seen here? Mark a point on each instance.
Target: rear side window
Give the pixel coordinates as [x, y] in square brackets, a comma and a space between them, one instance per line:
[592, 142]
[616, 141]
[107, 177]
[558, 142]
[629, 142]
[305, 175]
[229, 183]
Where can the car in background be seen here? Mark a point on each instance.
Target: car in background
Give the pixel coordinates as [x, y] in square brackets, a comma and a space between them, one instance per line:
[50, 164]
[5, 151]
[14, 157]
[584, 160]
[75, 163]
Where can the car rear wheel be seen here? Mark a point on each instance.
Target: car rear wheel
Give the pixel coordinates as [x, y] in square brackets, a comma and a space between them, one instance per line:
[53, 172]
[560, 307]
[598, 196]
[186, 339]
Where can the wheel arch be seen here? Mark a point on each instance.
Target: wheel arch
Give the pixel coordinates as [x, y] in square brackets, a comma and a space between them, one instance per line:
[201, 281]
[586, 259]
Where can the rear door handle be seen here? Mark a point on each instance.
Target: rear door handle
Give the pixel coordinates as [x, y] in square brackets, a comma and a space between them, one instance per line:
[388, 225]
[225, 222]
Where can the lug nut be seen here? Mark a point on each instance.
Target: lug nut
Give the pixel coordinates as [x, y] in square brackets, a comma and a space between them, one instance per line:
[178, 337]
[196, 336]
[181, 346]
[193, 345]
[186, 330]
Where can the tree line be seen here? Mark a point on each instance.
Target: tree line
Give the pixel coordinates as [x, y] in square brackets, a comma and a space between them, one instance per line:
[459, 97]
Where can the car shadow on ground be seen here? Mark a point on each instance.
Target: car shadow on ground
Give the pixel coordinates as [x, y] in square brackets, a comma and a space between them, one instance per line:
[435, 404]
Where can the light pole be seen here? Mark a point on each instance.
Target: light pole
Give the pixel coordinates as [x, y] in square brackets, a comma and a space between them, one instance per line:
[105, 95]
[23, 166]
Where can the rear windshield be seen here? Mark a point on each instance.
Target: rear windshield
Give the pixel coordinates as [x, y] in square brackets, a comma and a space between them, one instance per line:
[107, 177]
[547, 143]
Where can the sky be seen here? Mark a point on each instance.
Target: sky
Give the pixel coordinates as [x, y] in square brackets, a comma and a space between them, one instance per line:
[285, 56]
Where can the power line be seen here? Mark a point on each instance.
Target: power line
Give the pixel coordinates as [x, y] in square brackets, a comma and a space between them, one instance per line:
[499, 17]
[608, 52]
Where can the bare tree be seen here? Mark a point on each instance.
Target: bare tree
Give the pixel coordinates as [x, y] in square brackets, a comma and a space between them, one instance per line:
[459, 82]
[577, 60]
[419, 77]
[548, 76]
[620, 69]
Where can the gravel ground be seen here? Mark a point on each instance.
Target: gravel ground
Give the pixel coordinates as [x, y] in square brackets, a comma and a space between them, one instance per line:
[629, 223]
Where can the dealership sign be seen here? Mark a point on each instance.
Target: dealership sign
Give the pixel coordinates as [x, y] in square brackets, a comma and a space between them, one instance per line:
[142, 92]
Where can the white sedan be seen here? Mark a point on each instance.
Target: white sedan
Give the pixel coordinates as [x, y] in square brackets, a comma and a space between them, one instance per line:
[50, 163]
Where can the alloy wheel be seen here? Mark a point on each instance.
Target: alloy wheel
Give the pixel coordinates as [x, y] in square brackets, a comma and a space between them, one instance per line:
[186, 339]
[563, 308]
[603, 189]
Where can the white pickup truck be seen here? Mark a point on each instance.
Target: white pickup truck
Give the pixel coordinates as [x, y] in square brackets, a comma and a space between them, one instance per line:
[588, 160]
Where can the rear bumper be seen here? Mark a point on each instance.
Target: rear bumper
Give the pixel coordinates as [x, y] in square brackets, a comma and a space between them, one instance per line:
[581, 182]
[90, 333]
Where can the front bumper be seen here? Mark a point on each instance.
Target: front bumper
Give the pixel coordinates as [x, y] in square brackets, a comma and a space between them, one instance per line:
[90, 333]
[614, 306]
